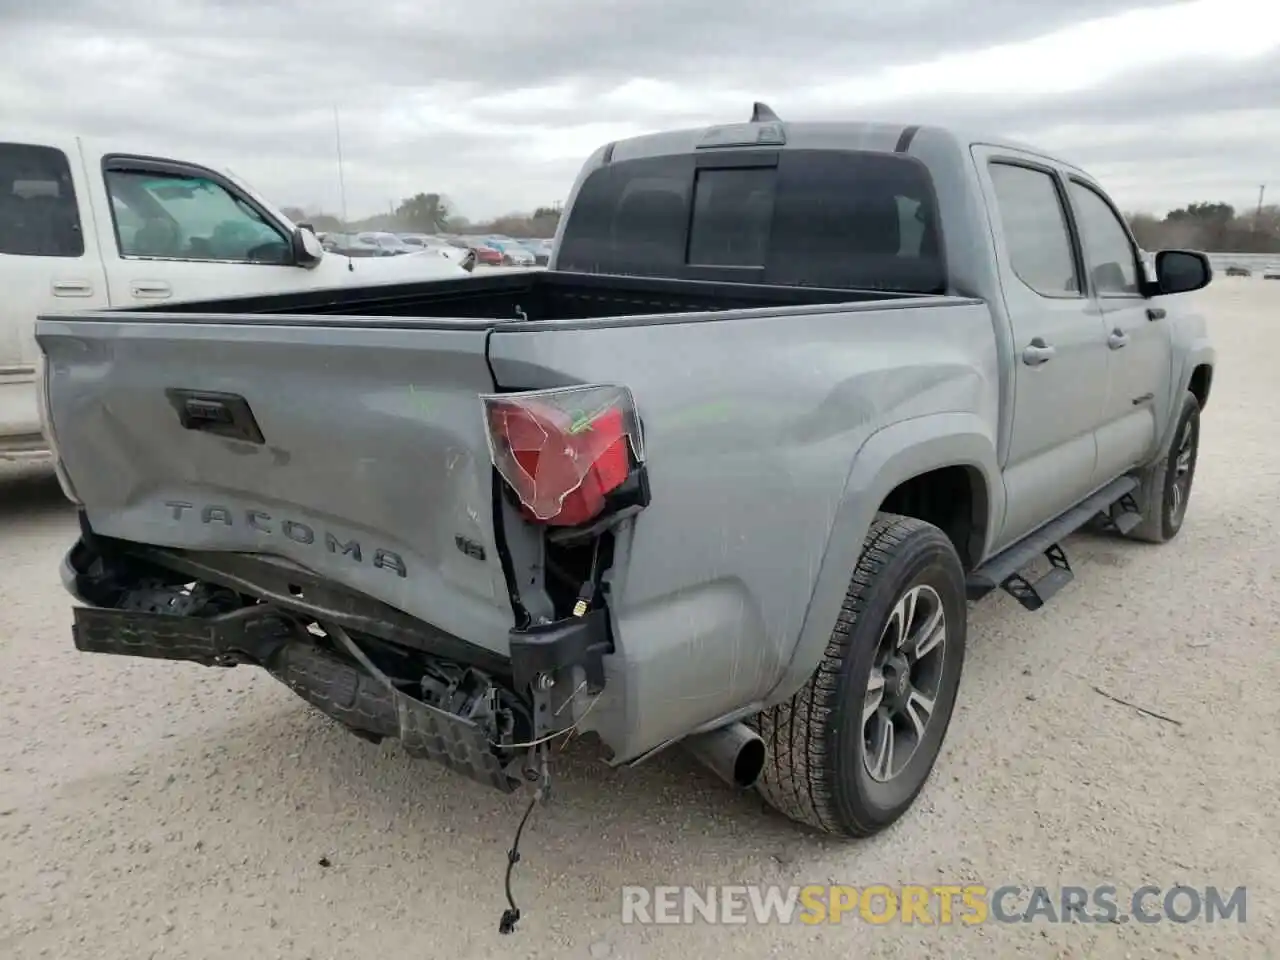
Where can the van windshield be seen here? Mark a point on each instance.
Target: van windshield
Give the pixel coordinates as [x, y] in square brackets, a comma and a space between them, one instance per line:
[829, 218]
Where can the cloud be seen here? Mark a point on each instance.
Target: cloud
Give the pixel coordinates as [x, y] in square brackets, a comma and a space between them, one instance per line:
[496, 104]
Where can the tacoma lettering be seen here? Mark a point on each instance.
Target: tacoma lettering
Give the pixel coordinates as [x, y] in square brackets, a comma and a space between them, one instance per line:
[295, 530]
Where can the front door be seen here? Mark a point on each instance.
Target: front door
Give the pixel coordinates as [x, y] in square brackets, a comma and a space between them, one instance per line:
[1059, 377]
[1139, 345]
[185, 233]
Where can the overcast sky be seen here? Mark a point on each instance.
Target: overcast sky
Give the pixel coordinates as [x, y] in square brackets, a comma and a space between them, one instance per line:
[495, 102]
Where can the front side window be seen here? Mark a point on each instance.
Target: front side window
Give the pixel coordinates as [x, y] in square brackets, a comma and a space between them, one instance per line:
[1109, 253]
[1036, 235]
[174, 217]
[38, 212]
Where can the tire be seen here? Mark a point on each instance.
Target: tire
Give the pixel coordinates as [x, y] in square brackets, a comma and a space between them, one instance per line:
[1165, 486]
[817, 771]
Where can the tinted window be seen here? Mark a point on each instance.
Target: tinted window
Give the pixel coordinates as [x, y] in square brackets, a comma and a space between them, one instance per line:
[1035, 230]
[732, 216]
[38, 213]
[1108, 252]
[864, 220]
[189, 218]
[630, 218]
[807, 217]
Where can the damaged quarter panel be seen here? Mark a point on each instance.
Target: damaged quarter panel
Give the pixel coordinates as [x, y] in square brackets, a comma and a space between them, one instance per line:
[751, 428]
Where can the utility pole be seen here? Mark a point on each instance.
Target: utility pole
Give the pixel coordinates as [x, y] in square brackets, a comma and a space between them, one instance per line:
[1257, 214]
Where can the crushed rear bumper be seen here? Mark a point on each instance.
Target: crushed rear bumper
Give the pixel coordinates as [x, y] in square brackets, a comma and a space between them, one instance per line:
[356, 694]
[338, 689]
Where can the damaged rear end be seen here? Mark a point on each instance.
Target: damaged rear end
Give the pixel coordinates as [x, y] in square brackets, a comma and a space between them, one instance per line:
[346, 503]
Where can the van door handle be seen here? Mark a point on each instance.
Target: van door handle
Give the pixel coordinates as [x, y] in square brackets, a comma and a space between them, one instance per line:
[72, 288]
[150, 289]
[1037, 352]
[1117, 339]
[1155, 313]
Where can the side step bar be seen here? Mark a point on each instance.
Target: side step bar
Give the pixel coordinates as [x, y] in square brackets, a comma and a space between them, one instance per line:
[1003, 569]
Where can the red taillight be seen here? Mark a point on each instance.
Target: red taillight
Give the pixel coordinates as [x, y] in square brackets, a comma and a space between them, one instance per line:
[563, 451]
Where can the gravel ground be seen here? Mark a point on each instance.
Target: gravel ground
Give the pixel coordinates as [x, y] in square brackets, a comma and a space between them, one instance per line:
[153, 809]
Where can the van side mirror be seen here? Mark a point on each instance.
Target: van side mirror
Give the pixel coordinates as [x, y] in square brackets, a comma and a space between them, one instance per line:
[307, 249]
[1182, 271]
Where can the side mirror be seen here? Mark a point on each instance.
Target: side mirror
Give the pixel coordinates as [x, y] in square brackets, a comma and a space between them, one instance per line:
[307, 249]
[1182, 271]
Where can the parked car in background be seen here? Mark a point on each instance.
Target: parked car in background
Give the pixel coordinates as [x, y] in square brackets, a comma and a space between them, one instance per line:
[87, 225]
[1271, 271]
[489, 256]
[437, 246]
[387, 241]
[513, 254]
[350, 245]
[1235, 270]
[541, 250]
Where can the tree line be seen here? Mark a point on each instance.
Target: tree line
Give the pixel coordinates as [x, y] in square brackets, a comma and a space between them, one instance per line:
[433, 213]
[1214, 227]
[1211, 227]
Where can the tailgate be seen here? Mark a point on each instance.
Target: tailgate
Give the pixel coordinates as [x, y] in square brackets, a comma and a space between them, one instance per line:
[353, 447]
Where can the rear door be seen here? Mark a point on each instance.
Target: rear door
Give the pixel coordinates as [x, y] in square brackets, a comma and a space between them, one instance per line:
[48, 263]
[1139, 346]
[1059, 341]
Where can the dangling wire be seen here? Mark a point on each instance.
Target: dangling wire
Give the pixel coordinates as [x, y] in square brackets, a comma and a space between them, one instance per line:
[511, 916]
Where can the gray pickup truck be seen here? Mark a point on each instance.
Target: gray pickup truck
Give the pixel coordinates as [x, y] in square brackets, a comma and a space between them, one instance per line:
[726, 474]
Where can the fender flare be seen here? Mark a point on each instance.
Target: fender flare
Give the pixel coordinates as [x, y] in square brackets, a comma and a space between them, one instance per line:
[1198, 354]
[887, 458]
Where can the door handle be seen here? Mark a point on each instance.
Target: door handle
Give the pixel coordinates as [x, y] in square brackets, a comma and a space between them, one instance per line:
[1037, 352]
[72, 288]
[1117, 339]
[1155, 313]
[150, 289]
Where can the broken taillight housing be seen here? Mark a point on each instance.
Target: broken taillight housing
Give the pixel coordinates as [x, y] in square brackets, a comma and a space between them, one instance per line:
[563, 451]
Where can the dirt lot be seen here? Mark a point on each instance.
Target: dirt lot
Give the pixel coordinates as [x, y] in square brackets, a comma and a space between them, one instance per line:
[151, 809]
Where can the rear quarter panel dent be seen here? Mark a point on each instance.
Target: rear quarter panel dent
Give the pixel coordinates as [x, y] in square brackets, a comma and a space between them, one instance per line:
[751, 428]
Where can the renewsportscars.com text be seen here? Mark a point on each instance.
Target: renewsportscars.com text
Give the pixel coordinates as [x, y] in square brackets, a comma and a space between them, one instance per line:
[934, 904]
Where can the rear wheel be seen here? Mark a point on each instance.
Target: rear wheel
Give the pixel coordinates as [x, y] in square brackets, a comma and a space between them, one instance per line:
[850, 752]
[1166, 484]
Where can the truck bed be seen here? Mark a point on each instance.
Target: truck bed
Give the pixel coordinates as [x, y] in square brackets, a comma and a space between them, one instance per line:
[335, 459]
[529, 295]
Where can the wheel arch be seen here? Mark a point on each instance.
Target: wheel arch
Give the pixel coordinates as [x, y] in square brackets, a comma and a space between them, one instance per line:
[1195, 375]
[902, 464]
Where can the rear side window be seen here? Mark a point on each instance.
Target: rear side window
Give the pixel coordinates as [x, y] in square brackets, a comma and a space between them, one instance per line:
[38, 212]
[1036, 235]
[796, 217]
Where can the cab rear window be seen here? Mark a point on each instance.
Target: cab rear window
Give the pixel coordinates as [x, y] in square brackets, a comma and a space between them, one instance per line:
[825, 218]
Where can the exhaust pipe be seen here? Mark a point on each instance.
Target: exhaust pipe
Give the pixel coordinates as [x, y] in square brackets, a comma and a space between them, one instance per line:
[734, 753]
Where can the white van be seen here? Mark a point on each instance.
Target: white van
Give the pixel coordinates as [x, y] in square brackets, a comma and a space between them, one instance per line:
[85, 227]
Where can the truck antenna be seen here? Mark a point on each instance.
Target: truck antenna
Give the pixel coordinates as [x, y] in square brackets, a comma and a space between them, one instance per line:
[763, 113]
[342, 184]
